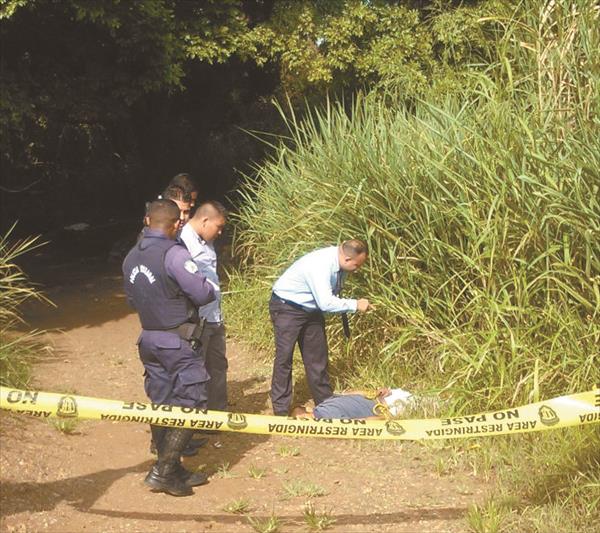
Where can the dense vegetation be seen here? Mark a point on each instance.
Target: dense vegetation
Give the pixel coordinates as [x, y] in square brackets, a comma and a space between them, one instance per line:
[482, 213]
[103, 101]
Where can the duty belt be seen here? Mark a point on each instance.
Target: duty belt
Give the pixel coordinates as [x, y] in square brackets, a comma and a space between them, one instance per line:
[190, 331]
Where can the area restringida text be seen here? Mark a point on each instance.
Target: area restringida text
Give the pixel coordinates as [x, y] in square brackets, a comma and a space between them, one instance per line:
[564, 411]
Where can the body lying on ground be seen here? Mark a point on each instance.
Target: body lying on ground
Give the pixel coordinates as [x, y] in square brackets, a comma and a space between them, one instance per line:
[359, 405]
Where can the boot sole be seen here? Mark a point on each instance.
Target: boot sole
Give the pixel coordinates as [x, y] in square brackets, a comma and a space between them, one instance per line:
[157, 486]
[196, 484]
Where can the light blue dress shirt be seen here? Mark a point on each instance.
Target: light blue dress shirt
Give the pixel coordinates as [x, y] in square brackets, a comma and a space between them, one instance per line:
[311, 280]
[204, 255]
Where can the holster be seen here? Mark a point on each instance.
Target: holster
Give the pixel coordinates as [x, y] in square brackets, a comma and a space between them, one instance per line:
[191, 332]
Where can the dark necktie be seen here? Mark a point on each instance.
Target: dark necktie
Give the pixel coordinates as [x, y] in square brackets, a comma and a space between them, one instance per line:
[336, 292]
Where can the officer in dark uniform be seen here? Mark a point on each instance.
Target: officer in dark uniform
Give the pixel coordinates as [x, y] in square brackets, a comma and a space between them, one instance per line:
[164, 286]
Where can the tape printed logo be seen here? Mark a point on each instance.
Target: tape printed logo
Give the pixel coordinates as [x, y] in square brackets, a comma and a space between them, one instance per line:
[67, 407]
[548, 416]
[393, 427]
[236, 421]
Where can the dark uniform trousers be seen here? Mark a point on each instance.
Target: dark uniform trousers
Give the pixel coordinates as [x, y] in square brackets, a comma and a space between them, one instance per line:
[292, 324]
[174, 373]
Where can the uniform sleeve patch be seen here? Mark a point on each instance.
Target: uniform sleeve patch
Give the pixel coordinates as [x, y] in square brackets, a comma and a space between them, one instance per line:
[190, 266]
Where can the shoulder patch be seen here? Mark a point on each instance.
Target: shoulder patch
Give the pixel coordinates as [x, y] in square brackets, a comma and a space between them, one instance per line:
[190, 266]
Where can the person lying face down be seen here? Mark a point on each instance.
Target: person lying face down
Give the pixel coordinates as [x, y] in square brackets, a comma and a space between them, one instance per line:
[356, 405]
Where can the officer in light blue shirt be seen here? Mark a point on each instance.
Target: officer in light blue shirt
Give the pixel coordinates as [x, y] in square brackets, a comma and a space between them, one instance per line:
[199, 235]
[306, 290]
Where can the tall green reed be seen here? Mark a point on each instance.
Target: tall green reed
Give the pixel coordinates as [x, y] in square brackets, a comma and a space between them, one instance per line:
[16, 348]
[482, 215]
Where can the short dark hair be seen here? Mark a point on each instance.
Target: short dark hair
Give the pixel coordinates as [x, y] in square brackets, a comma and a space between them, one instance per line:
[162, 213]
[209, 208]
[354, 247]
[184, 181]
[175, 192]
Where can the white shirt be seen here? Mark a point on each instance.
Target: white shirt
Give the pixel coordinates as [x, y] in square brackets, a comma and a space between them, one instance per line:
[311, 280]
[204, 255]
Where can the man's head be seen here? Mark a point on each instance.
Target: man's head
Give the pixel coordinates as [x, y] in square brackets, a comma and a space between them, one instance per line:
[182, 199]
[163, 215]
[209, 220]
[352, 254]
[185, 182]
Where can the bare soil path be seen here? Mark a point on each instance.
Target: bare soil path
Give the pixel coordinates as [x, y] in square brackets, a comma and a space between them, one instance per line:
[91, 480]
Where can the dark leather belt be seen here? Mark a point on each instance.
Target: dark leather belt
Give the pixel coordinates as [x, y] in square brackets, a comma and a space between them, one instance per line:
[276, 298]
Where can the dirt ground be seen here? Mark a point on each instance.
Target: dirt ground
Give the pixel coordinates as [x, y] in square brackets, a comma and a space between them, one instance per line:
[92, 479]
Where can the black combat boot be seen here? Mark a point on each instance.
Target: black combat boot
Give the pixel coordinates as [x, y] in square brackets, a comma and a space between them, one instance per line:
[192, 479]
[193, 447]
[158, 434]
[190, 450]
[165, 475]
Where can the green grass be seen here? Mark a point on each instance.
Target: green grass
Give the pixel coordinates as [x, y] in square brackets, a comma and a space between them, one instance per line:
[17, 353]
[545, 482]
[489, 517]
[243, 303]
[256, 472]
[289, 451]
[17, 350]
[301, 487]
[224, 471]
[239, 506]
[68, 426]
[316, 521]
[272, 524]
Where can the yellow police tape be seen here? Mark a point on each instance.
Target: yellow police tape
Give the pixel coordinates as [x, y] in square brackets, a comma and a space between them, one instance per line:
[571, 410]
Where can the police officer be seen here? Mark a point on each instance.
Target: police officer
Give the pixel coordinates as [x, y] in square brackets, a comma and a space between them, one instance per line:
[188, 185]
[199, 235]
[164, 286]
[183, 200]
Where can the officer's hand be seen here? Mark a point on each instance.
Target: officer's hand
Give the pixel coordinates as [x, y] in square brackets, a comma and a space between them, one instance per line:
[362, 305]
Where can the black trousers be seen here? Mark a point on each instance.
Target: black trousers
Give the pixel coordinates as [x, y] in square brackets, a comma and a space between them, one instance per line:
[291, 325]
[214, 351]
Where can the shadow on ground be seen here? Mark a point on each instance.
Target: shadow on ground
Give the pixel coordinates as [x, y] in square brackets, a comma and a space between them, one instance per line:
[413, 515]
[81, 491]
[235, 445]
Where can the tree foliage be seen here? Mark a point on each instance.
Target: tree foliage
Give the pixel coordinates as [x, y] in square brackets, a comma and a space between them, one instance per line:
[82, 80]
[350, 43]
